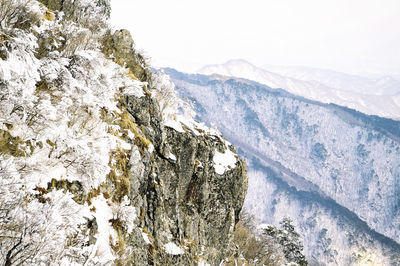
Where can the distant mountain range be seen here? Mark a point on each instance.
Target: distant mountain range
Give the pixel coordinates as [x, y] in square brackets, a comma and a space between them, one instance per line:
[384, 85]
[380, 96]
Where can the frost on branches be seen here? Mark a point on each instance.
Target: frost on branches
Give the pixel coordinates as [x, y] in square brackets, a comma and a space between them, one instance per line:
[288, 240]
[266, 244]
[56, 146]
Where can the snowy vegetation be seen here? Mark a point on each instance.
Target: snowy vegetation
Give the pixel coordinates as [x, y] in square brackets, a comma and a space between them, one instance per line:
[59, 137]
[53, 134]
[288, 240]
[267, 244]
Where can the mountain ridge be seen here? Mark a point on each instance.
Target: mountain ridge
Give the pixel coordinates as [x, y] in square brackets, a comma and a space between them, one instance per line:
[359, 99]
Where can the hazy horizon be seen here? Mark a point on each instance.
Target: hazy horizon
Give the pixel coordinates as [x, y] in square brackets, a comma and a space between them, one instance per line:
[359, 37]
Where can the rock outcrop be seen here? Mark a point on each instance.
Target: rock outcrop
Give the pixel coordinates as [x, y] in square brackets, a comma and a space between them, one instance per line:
[119, 46]
[181, 197]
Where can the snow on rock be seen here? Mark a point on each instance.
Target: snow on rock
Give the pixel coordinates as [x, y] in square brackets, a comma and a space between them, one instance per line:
[175, 125]
[173, 249]
[126, 213]
[103, 215]
[172, 156]
[224, 161]
[178, 114]
[134, 88]
[146, 238]
[203, 263]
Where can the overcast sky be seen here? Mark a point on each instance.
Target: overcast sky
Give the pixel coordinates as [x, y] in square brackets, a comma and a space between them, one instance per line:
[345, 35]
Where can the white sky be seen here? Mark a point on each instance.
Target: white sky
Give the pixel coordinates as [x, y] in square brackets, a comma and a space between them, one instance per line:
[345, 35]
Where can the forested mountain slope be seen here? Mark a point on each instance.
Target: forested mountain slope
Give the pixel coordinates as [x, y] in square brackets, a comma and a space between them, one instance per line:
[334, 170]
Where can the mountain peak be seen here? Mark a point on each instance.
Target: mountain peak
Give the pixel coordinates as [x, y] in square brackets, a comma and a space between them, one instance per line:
[230, 64]
[237, 61]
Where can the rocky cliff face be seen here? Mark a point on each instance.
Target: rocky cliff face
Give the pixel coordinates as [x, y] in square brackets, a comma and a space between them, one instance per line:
[91, 170]
[181, 197]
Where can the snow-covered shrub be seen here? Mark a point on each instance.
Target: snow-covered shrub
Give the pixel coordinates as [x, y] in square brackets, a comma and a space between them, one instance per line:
[78, 38]
[288, 240]
[254, 247]
[67, 37]
[17, 14]
[35, 226]
[56, 151]
[164, 92]
[81, 11]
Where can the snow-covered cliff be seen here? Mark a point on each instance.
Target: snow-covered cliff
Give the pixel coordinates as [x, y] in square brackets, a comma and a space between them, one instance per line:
[95, 167]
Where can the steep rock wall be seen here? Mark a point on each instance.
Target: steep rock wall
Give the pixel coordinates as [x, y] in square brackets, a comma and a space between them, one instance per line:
[180, 196]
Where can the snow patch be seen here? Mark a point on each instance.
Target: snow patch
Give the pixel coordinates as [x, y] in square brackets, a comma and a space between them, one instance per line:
[146, 238]
[175, 125]
[126, 213]
[103, 215]
[151, 148]
[172, 156]
[134, 88]
[224, 161]
[173, 249]
[203, 263]
[264, 226]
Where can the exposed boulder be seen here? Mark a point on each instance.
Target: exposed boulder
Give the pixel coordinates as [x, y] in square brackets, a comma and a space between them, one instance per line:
[119, 47]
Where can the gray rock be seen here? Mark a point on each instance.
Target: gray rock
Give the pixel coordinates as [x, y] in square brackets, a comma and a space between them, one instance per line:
[180, 201]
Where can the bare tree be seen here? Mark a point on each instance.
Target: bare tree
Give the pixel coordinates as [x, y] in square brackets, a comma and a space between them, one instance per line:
[12, 231]
[22, 226]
